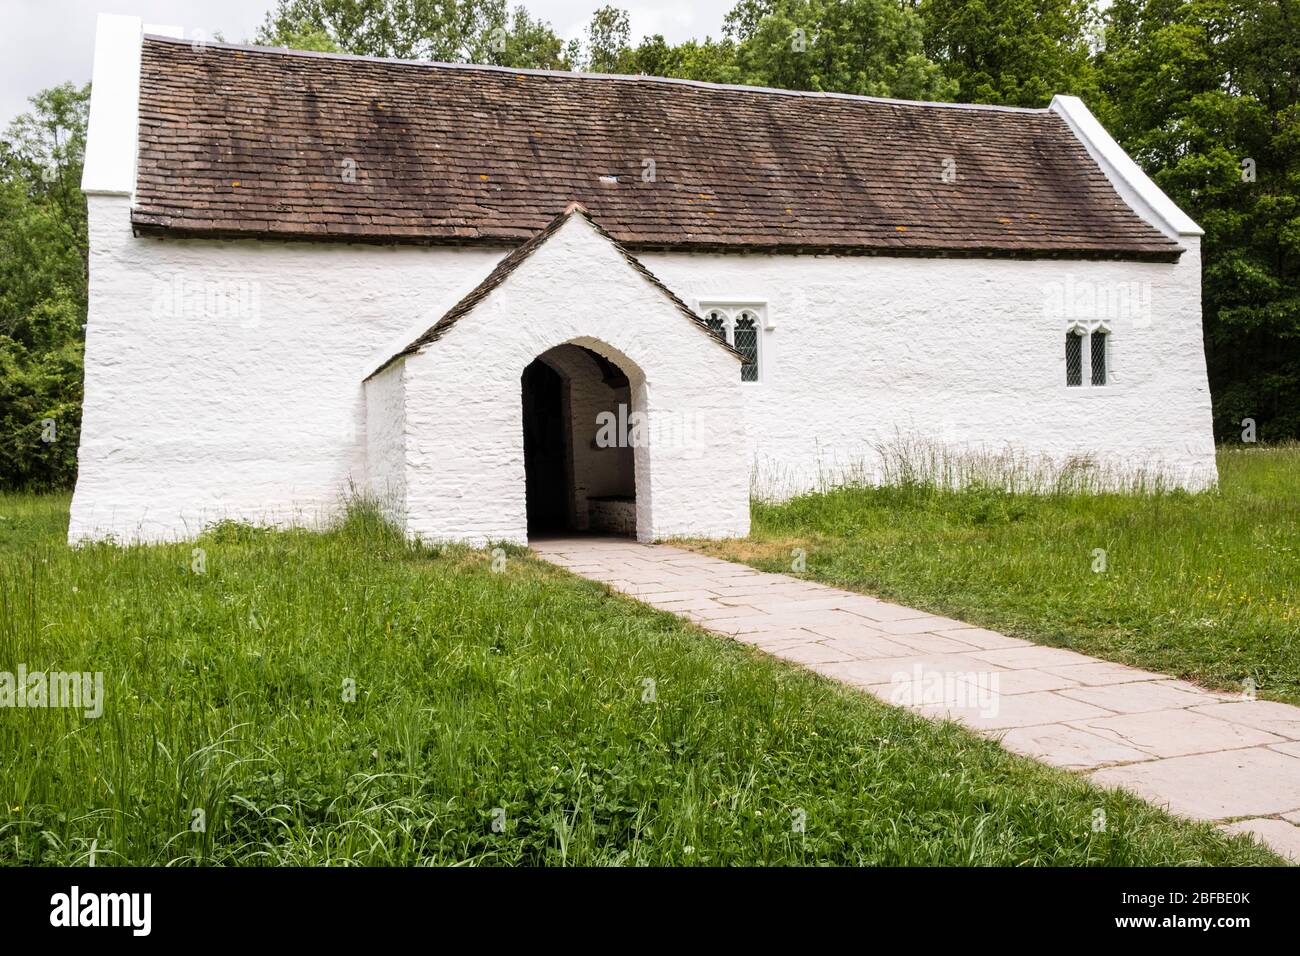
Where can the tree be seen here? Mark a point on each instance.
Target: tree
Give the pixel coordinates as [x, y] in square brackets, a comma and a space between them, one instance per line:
[448, 31]
[870, 47]
[42, 289]
[1205, 95]
[1013, 52]
[608, 47]
[844, 46]
[713, 61]
[313, 40]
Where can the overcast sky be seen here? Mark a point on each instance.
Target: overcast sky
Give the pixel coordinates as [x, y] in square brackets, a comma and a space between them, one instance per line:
[45, 42]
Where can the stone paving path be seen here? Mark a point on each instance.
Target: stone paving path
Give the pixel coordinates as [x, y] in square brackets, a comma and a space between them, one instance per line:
[1201, 754]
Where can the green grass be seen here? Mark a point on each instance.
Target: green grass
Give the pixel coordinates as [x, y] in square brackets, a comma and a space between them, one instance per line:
[476, 690]
[1204, 587]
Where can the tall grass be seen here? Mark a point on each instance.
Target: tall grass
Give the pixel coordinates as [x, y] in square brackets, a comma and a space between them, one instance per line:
[910, 460]
[515, 698]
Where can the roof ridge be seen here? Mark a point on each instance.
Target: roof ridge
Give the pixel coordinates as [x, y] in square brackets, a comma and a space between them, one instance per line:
[574, 74]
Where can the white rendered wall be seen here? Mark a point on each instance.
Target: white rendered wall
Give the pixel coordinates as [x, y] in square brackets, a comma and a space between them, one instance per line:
[238, 394]
[464, 407]
[223, 379]
[966, 352]
[386, 441]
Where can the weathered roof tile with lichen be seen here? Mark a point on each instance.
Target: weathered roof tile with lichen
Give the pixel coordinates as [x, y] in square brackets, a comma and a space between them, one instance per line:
[241, 141]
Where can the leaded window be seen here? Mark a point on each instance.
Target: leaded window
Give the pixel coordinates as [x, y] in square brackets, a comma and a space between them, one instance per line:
[1073, 359]
[745, 340]
[741, 326]
[717, 323]
[1098, 356]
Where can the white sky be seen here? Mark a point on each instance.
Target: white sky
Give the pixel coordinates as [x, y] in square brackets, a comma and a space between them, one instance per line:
[46, 42]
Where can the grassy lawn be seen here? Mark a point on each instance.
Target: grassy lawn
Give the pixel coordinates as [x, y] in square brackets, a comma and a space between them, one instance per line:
[523, 690]
[1205, 587]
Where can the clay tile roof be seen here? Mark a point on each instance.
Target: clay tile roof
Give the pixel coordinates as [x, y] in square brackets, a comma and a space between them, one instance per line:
[242, 141]
[512, 261]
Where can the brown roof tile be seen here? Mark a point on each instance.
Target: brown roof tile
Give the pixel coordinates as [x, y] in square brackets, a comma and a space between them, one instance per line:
[479, 154]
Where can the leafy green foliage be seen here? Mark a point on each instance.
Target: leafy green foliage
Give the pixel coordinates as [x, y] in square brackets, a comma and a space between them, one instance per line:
[1204, 94]
[1012, 52]
[42, 289]
[869, 47]
[447, 31]
[607, 48]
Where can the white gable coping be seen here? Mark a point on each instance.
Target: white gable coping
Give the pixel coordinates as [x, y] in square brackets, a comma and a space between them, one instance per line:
[113, 129]
[114, 107]
[1134, 186]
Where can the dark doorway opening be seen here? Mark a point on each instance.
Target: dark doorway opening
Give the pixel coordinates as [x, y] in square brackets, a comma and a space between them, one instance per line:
[546, 471]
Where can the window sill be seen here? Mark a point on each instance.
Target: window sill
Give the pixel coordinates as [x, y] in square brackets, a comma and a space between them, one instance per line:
[1088, 389]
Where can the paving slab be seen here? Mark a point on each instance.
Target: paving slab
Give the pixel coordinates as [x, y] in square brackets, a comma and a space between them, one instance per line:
[1068, 747]
[867, 649]
[897, 671]
[1254, 782]
[1136, 697]
[860, 631]
[660, 592]
[768, 640]
[1014, 710]
[881, 612]
[1281, 835]
[917, 625]
[1029, 681]
[1098, 673]
[1201, 753]
[934, 644]
[1035, 655]
[812, 654]
[695, 604]
[982, 637]
[1203, 691]
[1279, 719]
[1174, 733]
[720, 612]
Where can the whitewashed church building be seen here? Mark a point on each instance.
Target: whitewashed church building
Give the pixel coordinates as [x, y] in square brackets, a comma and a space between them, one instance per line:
[510, 301]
